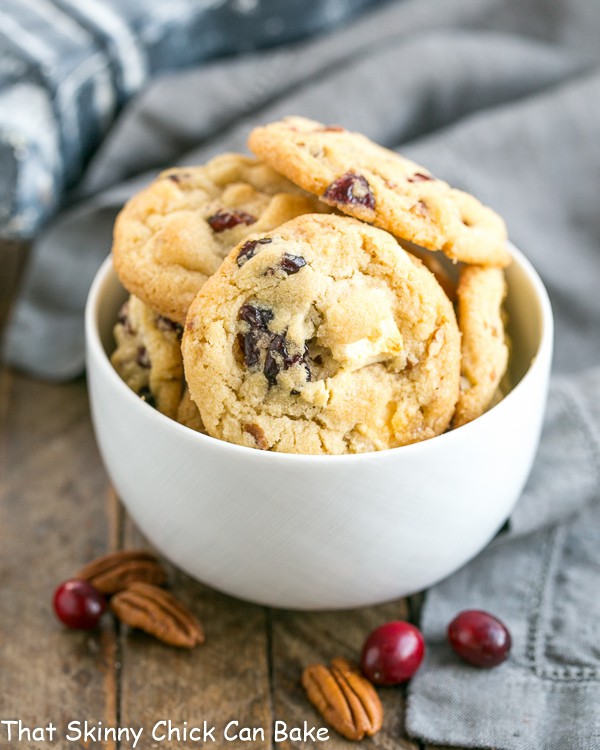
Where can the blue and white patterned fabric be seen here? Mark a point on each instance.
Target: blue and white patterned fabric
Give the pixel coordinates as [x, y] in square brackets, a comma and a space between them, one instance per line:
[68, 66]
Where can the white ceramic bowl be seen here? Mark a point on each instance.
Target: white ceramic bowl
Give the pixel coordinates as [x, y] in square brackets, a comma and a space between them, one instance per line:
[322, 532]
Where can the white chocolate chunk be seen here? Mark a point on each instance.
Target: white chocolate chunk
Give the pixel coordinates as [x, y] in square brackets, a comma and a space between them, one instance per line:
[359, 328]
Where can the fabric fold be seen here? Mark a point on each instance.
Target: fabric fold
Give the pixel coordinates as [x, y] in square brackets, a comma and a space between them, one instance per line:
[541, 579]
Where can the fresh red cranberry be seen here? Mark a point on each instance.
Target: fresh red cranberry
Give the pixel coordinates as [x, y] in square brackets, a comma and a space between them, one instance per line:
[479, 638]
[78, 604]
[392, 653]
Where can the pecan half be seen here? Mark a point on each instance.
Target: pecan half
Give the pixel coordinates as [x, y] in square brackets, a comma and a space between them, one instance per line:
[158, 613]
[257, 432]
[118, 570]
[344, 698]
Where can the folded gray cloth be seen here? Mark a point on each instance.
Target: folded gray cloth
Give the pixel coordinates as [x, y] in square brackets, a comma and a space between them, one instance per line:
[68, 66]
[542, 578]
[502, 98]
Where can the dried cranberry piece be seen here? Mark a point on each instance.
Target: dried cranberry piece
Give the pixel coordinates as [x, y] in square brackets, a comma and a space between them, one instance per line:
[123, 316]
[308, 371]
[420, 208]
[178, 177]
[223, 220]
[167, 325]
[257, 317]
[276, 358]
[146, 395]
[420, 177]
[258, 340]
[334, 129]
[143, 358]
[291, 263]
[350, 189]
[258, 337]
[249, 250]
[124, 319]
[249, 345]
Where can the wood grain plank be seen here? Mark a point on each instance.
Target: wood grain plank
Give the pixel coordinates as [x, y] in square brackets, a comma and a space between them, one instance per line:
[52, 518]
[300, 639]
[226, 679]
[13, 258]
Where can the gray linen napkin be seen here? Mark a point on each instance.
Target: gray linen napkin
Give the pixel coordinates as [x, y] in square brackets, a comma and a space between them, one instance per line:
[68, 66]
[502, 98]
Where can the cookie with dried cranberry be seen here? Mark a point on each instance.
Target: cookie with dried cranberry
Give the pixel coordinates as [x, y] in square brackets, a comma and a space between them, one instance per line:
[371, 183]
[484, 357]
[322, 336]
[173, 235]
[148, 355]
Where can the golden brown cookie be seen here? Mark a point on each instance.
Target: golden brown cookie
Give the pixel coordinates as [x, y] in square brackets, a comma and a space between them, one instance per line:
[371, 183]
[173, 235]
[148, 355]
[188, 414]
[322, 336]
[439, 266]
[484, 349]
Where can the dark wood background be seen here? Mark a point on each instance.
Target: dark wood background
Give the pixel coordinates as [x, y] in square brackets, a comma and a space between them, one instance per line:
[57, 512]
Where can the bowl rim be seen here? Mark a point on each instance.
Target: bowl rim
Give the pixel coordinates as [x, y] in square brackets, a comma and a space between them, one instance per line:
[96, 352]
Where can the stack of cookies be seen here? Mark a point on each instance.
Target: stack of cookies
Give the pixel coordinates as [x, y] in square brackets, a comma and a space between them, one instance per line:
[299, 302]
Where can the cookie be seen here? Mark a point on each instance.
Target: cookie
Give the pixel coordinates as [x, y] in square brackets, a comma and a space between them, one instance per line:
[371, 183]
[172, 236]
[148, 355]
[188, 414]
[484, 348]
[322, 336]
[438, 265]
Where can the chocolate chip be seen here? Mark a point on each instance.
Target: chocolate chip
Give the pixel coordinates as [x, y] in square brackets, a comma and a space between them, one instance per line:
[167, 325]
[223, 220]
[421, 177]
[146, 395]
[143, 358]
[350, 189]
[249, 250]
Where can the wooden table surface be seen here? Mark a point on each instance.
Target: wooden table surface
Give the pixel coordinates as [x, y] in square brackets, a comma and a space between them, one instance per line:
[57, 512]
